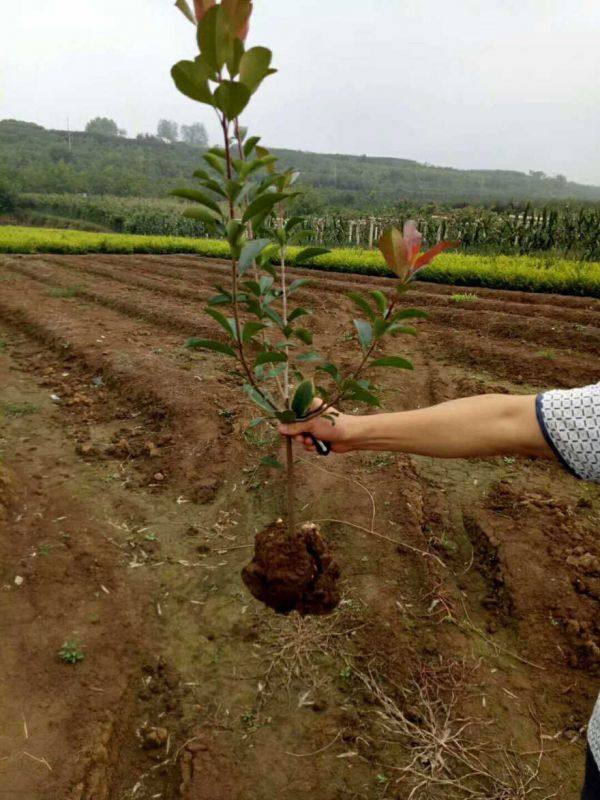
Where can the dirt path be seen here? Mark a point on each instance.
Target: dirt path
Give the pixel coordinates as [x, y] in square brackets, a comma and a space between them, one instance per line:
[127, 504]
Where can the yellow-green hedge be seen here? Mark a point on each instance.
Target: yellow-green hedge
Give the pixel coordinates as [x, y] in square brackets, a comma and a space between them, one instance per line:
[528, 273]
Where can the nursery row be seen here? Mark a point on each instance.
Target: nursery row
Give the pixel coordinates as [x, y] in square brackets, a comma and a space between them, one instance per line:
[526, 273]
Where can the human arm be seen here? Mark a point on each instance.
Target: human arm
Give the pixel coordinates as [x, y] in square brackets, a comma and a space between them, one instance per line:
[483, 425]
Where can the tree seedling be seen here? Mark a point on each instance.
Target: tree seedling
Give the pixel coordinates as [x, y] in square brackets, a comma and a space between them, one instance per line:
[241, 195]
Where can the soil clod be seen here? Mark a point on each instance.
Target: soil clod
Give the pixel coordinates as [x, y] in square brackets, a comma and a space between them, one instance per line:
[293, 573]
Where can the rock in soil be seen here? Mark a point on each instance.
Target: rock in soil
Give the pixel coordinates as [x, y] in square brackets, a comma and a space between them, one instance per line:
[293, 573]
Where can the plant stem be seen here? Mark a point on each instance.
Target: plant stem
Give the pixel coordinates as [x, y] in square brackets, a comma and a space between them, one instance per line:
[289, 478]
[291, 498]
[234, 283]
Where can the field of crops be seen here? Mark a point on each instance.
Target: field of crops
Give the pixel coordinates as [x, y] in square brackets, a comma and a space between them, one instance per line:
[527, 273]
[572, 231]
[130, 500]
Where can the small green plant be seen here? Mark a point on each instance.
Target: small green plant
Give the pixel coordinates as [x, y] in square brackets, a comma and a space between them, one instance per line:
[248, 718]
[346, 673]
[381, 778]
[44, 549]
[243, 196]
[18, 409]
[3, 345]
[448, 544]
[63, 291]
[71, 652]
[469, 297]
[550, 355]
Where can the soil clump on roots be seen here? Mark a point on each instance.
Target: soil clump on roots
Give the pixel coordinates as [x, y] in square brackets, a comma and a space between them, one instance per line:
[293, 573]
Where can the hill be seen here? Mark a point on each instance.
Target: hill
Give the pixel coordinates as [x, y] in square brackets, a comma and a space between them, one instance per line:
[33, 159]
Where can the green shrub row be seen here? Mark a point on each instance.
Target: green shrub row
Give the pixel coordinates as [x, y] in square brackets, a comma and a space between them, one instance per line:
[527, 273]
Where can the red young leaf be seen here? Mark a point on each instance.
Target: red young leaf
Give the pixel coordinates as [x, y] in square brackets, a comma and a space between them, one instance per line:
[429, 255]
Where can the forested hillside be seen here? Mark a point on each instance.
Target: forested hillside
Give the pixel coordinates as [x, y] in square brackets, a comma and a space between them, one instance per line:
[33, 159]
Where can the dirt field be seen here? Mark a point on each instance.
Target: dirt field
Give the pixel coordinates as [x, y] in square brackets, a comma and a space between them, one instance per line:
[463, 661]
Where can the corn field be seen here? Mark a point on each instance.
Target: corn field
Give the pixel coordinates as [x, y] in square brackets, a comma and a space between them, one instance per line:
[572, 232]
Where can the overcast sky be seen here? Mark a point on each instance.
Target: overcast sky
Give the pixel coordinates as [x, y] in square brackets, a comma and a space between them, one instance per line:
[508, 84]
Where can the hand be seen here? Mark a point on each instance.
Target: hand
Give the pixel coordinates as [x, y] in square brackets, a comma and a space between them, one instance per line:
[336, 431]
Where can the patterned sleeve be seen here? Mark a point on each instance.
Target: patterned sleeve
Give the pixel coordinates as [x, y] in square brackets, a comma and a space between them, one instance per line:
[570, 422]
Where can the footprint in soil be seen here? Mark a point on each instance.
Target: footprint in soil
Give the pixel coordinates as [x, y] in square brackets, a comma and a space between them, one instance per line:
[293, 573]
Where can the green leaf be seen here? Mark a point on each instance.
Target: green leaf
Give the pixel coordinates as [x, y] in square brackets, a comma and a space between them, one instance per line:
[297, 312]
[365, 332]
[355, 391]
[264, 202]
[292, 223]
[270, 357]
[262, 401]
[249, 253]
[294, 285]
[197, 197]
[392, 361]
[209, 344]
[332, 370]
[380, 300]
[251, 329]
[395, 327]
[185, 10]
[408, 313]
[209, 182]
[362, 303]
[271, 461]
[275, 316]
[256, 421]
[214, 38]
[265, 283]
[202, 214]
[309, 357]
[286, 416]
[220, 300]
[191, 78]
[304, 335]
[309, 253]
[233, 63]
[263, 373]
[233, 189]
[232, 98]
[380, 326]
[226, 323]
[255, 66]
[215, 162]
[303, 397]
[250, 145]
[235, 232]
[248, 167]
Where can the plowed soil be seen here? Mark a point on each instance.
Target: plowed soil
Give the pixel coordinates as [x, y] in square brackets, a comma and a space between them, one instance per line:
[463, 658]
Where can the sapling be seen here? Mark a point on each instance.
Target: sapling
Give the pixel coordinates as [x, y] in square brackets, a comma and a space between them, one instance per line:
[242, 195]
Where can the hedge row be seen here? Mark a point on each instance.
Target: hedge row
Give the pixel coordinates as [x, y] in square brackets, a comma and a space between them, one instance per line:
[527, 273]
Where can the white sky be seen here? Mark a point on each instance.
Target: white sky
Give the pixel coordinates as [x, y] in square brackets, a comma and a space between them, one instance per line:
[509, 84]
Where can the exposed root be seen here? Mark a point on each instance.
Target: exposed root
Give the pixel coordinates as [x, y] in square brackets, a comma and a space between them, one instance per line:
[446, 759]
[300, 643]
[422, 553]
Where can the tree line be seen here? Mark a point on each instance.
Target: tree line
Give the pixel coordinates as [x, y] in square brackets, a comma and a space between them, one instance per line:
[167, 129]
